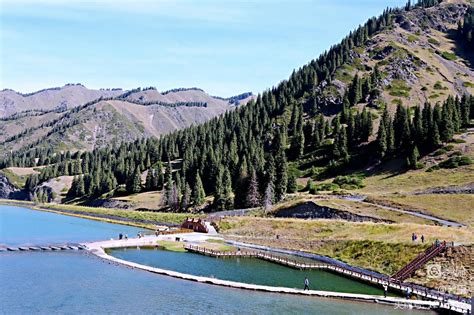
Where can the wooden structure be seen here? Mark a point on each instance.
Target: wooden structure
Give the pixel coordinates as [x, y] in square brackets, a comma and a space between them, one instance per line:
[197, 225]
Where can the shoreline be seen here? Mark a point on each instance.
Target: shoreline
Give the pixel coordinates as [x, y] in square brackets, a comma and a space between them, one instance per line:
[98, 249]
[77, 214]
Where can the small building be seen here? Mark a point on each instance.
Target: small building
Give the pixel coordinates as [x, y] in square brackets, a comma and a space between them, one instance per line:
[197, 225]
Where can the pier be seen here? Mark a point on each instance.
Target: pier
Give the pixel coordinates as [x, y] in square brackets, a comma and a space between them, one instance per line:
[52, 247]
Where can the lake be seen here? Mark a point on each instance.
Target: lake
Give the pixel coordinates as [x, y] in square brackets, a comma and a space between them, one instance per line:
[77, 282]
[247, 270]
[23, 226]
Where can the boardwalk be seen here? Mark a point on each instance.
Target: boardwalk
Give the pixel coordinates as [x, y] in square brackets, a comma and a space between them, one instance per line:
[434, 298]
[256, 254]
[54, 247]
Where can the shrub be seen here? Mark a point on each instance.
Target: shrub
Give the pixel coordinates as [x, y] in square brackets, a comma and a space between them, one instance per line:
[419, 165]
[440, 152]
[433, 41]
[323, 187]
[438, 85]
[455, 161]
[448, 56]
[468, 84]
[412, 38]
[348, 182]
[433, 168]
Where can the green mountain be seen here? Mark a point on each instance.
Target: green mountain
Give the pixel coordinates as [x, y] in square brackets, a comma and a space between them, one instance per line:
[395, 89]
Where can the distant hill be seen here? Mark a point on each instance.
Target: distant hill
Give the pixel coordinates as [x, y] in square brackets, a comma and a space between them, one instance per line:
[76, 118]
[66, 97]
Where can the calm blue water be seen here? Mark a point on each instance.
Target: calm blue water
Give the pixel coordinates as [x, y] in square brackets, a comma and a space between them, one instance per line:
[78, 283]
[73, 283]
[22, 226]
[247, 270]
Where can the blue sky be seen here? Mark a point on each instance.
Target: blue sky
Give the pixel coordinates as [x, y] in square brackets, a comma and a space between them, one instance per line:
[223, 46]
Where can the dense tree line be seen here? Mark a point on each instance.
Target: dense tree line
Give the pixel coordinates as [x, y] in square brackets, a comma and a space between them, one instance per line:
[423, 130]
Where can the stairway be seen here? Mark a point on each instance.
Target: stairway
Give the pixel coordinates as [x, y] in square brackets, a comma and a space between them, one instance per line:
[419, 261]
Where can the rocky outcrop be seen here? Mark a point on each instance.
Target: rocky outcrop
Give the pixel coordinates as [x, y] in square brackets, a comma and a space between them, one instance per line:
[451, 271]
[436, 17]
[9, 191]
[310, 210]
[466, 189]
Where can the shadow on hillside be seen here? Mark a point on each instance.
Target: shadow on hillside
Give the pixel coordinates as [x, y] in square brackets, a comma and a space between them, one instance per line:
[390, 169]
[460, 48]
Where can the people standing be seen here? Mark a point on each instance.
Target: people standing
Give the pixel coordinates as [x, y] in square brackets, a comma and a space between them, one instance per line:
[422, 238]
[385, 289]
[306, 283]
[120, 236]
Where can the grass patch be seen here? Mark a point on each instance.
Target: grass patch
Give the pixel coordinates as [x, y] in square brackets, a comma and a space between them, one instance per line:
[412, 38]
[377, 246]
[379, 256]
[16, 180]
[371, 210]
[392, 182]
[456, 207]
[399, 88]
[433, 41]
[468, 84]
[449, 56]
[172, 246]
[164, 217]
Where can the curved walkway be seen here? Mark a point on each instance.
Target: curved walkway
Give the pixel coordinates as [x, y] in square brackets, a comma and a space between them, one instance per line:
[98, 249]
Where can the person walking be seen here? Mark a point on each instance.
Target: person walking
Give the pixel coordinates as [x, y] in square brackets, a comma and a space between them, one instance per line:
[422, 238]
[120, 236]
[385, 289]
[306, 283]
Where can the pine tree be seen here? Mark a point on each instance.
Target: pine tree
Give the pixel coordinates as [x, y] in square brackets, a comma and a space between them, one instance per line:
[253, 196]
[79, 189]
[281, 175]
[227, 190]
[199, 194]
[185, 201]
[149, 185]
[382, 139]
[241, 186]
[355, 91]
[412, 161]
[268, 198]
[137, 181]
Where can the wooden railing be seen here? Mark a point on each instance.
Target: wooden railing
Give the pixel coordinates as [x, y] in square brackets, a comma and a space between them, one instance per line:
[255, 254]
[349, 271]
[419, 261]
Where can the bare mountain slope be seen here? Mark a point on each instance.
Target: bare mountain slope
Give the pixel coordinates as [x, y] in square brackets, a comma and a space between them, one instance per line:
[68, 96]
[112, 118]
[418, 58]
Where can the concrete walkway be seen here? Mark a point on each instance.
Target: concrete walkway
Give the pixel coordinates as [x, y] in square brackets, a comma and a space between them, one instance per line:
[97, 248]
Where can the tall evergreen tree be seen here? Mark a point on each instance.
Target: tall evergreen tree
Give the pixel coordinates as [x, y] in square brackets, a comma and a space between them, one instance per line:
[253, 196]
[198, 192]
